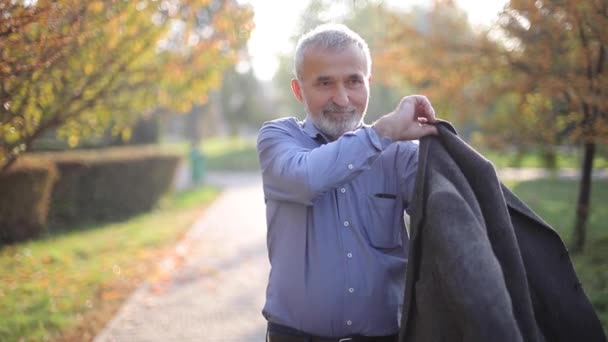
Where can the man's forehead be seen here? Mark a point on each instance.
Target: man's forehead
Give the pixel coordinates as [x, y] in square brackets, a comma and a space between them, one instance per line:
[352, 50]
[335, 63]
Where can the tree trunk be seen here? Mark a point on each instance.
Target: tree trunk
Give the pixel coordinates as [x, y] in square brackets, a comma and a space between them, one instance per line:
[584, 200]
[549, 157]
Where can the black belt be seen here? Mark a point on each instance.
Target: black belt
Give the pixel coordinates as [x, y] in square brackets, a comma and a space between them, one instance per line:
[281, 333]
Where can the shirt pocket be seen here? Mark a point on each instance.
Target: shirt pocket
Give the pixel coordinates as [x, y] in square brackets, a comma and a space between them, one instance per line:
[382, 225]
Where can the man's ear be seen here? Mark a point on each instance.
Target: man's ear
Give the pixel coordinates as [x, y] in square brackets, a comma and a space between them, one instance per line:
[297, 91]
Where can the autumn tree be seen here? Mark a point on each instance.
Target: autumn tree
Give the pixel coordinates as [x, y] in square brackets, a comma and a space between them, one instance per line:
[538, 81]
[435, 52]
[83, 67]
[33, 40]
[555, 52]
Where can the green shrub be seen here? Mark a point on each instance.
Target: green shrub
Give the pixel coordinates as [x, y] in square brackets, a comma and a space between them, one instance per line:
[106, 185]
[24, 200]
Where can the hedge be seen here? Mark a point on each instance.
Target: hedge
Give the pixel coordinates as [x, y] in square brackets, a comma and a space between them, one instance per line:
[108, 185]
[64, 190]
[25, 190]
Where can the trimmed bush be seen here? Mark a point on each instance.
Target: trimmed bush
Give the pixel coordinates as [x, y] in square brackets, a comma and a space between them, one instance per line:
[106, 185]
[25, 189]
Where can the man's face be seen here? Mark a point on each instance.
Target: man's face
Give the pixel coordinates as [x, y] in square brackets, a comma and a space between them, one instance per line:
[334, 89]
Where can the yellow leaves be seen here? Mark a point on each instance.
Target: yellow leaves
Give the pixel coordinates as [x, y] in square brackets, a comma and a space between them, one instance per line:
[534, 105]
[89, 68]
[126, 134]
[73, 141]
[203, 3]
[95, 7]
[10, 134]
[87, 72]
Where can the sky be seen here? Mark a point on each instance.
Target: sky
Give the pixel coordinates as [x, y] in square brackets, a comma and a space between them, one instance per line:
[275, 22]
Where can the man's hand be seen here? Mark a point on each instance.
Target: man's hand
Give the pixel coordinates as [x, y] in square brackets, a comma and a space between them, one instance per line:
[409, 121]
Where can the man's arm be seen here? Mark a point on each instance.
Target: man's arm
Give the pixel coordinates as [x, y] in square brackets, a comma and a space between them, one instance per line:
[298, 174]
[295, 173]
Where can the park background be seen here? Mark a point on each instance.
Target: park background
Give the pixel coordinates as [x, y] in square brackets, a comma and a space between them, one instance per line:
[112, 113]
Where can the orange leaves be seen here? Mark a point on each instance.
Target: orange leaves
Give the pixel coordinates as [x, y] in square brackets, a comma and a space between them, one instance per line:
[95, 7]
[431, 52]
[561, 59]
[111, 295]
[208, 48]
[547, 69]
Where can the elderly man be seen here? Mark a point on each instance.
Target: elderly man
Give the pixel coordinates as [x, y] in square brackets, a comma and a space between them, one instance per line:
[335, 191]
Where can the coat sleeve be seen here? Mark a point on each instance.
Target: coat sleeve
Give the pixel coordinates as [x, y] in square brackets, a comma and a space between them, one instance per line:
[469, 277]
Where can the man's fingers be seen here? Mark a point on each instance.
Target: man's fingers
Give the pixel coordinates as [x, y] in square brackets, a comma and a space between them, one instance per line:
[424, 108]
[430, 130]
[418, 106]
[419, 117]
[424, 129]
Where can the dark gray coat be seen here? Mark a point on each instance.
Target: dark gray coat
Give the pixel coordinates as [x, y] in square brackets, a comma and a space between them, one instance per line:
[482, 265]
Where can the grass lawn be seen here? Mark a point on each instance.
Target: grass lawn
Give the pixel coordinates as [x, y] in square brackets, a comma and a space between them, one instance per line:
[68, 285]
[572, 159]
[554, 200]
[229, 153]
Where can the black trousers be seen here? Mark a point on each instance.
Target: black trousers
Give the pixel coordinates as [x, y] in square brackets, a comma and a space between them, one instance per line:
[281, 333]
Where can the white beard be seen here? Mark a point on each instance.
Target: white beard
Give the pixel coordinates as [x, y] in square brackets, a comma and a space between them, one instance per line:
[335, 128]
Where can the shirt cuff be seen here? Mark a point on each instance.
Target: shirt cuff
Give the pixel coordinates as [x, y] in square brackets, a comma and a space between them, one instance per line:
[379, 143]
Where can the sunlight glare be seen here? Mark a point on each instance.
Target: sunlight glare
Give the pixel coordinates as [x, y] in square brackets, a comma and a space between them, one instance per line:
[275, 23]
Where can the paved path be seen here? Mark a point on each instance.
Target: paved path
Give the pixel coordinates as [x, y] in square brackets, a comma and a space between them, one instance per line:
[213, 290]
[217, 293]
[524, 174]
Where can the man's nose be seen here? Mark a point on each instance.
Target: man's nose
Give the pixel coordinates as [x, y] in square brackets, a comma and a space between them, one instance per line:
[341, 96]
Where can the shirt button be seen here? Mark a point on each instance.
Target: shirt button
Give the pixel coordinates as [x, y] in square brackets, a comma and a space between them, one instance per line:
[349, 322]
[351, 290]
[346, 223]
[343, 190]
[350, 166]
[350, 255]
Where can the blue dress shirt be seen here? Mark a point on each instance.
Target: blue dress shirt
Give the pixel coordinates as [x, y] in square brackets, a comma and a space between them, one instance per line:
[336, 238]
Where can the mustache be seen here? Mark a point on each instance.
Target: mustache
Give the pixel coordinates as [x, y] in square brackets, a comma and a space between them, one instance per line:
[332, 107]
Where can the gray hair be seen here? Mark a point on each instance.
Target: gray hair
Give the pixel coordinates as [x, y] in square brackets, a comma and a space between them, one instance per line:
[334, 37]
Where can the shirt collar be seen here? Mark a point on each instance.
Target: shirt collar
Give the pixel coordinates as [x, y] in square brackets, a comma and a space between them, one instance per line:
[311, 130]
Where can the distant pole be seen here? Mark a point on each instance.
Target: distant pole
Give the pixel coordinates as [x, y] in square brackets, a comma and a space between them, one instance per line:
[197, 164]
[197, 160]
